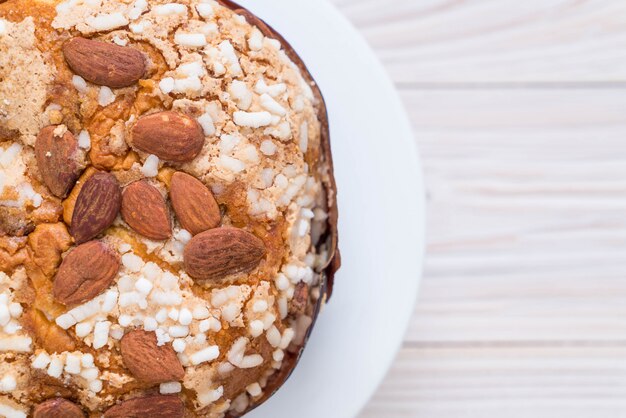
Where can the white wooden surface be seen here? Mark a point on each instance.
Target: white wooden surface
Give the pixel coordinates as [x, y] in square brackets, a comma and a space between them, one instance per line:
[519, 109]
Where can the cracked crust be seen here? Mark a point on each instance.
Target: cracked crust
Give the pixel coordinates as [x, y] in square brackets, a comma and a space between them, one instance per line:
[36, 239]
[334, 261]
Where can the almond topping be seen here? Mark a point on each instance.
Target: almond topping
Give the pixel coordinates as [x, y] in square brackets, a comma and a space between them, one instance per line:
[58, 408]
[153, 406]
[97, 205]
[194, 204]
[169, 135]
[57, 159]
[103, 63]
[221, 252]
[85, 272]
[149, 362]
[145, 211]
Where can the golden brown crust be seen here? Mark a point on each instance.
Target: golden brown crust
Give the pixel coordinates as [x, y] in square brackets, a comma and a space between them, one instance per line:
[334, 260]
[105, 154]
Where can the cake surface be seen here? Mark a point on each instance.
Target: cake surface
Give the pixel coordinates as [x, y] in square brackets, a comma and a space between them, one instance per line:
[167, 208]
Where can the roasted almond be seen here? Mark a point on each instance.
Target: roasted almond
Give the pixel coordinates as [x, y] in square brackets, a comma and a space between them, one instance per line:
[14, 222]
[56, 150]
[58, 408]
[85, 272]
[220, 252]
[194, 204]
[70, 202]
[171, 136]
[103, 63]
[300, 299]
[7, 134]
[145, 211]
[149, 362]
[152, 406]
[97, 205]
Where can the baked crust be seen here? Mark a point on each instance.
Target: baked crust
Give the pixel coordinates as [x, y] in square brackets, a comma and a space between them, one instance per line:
[35, 237]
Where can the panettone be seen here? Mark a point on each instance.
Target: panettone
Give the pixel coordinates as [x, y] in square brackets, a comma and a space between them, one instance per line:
[167, 208]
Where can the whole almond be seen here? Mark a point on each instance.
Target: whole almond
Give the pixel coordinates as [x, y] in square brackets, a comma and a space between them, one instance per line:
[171, 136]
[145, 211]
[103, 63]
[97, 205]
[58, 408]
[152, 406]
[194, 204]
[85, 272]
[149, 362]
[220, 252]
[57, 159]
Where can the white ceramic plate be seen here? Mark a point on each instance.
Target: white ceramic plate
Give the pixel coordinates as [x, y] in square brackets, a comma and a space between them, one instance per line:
[380, 223]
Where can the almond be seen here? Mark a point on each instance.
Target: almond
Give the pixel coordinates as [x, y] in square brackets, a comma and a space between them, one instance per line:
[96, 207]
[7, 134]
[147, 361]
[58, 408]
[14, 222]
[57, 159]
[300, 299]
[70, 202]
[145, 211]
[220, 252]
[153, 406]
[103, 63]
[85, 272]
[194, 204]
[169, 135]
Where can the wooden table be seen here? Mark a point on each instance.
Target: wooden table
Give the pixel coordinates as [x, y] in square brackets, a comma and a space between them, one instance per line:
[519, 110]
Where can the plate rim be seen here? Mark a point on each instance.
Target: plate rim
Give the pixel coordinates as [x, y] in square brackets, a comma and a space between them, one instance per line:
[408, 140]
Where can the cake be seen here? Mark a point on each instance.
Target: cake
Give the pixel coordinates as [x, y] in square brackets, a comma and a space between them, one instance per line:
[168, 218]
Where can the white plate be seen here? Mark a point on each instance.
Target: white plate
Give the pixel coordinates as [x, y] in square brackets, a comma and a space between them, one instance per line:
[381, 217]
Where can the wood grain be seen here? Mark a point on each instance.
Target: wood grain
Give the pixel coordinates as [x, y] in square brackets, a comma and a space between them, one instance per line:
[519, 110]
[495, 41]
[526, 201]
[470, 382]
